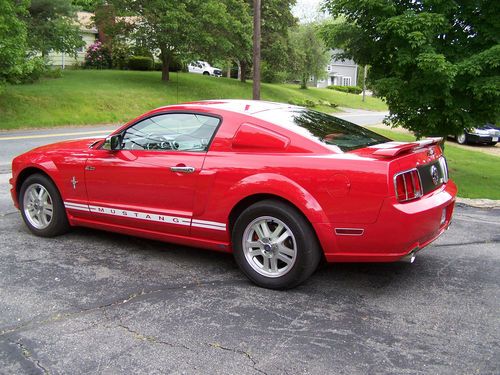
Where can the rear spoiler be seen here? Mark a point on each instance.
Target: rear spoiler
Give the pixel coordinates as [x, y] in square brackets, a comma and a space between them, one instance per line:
[407, 146]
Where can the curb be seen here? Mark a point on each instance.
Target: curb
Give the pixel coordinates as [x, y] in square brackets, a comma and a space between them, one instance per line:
[479, 203]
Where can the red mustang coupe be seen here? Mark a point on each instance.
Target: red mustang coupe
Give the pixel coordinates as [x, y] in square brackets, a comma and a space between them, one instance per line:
[279, 186]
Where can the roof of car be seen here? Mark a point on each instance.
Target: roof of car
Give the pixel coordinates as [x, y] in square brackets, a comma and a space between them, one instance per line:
[248, 107]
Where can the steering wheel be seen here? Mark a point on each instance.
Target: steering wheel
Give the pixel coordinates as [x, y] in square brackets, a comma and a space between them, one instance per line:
[160, 143]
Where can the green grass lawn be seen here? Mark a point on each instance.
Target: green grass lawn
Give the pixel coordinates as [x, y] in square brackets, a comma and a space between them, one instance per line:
[111, 96]
[476, 174]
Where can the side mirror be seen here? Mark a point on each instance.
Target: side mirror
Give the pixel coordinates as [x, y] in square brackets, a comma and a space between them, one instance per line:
[113, 142]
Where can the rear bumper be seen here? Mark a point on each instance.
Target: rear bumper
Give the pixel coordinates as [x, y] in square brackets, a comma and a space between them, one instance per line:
[400, 229]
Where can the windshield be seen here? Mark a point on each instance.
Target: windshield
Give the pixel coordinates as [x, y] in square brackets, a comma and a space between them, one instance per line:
[324, 128]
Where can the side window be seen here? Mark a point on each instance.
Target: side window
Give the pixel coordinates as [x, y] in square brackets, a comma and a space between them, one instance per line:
[171, 132]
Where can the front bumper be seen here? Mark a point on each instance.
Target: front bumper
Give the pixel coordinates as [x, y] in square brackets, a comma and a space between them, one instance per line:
[480, 138]
[13, 192]
[401, 228]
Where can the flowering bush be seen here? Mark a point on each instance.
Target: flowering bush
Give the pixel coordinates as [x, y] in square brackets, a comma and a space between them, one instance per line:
[97, 56]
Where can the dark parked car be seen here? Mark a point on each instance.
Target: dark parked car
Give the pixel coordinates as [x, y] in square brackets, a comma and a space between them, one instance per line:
[487, 135]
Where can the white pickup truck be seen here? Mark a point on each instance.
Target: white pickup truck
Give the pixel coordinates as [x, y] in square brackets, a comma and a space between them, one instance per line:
[202, 67]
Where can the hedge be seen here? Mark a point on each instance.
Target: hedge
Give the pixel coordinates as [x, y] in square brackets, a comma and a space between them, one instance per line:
[348, 89]
[140, 63]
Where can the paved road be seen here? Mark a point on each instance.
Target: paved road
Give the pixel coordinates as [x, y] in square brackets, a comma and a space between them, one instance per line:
[95, 302]
[13, 143]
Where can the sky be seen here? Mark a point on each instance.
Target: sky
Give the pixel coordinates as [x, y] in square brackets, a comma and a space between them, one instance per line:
[308, 10]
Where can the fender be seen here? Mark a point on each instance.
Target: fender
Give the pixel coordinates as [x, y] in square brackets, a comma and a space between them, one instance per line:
[275, 184]
[43, 164]
[60, 169]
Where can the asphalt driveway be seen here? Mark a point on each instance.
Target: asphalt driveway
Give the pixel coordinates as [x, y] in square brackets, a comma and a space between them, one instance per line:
[94, 302]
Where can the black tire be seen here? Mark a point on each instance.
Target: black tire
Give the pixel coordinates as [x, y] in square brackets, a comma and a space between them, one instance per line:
[307, 249]
[206, 73]
[58, 223]
[491, 143]
[462, 139]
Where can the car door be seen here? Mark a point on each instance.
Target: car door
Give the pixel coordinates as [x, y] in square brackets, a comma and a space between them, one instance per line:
[150, 182]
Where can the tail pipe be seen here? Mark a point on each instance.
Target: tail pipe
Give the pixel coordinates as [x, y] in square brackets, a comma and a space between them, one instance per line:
[410, 257]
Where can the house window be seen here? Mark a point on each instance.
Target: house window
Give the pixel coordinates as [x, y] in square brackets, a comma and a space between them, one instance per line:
[346, 81]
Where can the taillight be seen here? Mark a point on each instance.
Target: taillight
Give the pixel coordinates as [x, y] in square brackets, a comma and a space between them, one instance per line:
[444, 168]
[407, 185]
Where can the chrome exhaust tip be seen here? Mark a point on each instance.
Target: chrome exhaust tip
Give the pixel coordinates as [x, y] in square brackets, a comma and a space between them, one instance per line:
[410, 257]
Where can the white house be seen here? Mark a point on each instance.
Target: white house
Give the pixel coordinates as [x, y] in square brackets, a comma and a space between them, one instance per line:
[89, 35]
[340, 73]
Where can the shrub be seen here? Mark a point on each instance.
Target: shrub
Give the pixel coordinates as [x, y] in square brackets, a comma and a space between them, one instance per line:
[30, 71]
[97, 56]
[326, 103]
[53, 73]
[303, 103]
[309, 103]
[176, 65]
[120, 56]
[140, 63]
[271, 75]
[349, 89]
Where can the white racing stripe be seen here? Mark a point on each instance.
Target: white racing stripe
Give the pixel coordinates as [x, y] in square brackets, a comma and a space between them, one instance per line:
[208, 224]
[149, 216]
[76, 206]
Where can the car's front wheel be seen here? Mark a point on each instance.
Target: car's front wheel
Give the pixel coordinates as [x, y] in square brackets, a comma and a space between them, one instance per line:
[41, 207]
[274, 245]
[462, 139]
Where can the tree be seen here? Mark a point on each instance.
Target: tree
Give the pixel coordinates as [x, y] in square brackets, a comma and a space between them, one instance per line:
[310, 56]
[277, 19]
[256, 49]
[233, 35]
[12, 38]
[179, 28]
[436, 62]
[86, 5]
[52, 26]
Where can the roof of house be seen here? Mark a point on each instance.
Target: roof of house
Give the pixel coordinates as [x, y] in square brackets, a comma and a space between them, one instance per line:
[86, 21]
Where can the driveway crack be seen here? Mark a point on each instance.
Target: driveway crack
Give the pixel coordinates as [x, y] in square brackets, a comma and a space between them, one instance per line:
[130, 298]
[239, 351]
[26, 353]
[152, 339]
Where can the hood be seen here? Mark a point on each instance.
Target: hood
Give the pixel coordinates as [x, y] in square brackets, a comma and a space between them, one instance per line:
[72, 145]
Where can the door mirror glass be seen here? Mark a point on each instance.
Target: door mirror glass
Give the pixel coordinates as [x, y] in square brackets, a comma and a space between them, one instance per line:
[113, 142]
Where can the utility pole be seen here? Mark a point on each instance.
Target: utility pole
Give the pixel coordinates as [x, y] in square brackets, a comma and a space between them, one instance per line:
[364, 82]
[256, 49]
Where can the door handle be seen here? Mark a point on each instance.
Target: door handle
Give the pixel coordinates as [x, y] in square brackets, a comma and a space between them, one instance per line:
[179, 169]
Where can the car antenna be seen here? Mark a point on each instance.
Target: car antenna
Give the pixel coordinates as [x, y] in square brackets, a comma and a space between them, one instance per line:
[177, 87]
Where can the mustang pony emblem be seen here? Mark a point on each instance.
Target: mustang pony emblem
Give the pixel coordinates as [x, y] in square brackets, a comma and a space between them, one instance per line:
[74, 181]
[434, 175]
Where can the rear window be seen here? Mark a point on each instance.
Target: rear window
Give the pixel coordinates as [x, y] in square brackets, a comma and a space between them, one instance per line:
[321, 127]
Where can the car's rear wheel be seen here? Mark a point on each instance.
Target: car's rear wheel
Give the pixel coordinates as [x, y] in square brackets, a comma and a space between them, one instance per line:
[274, 245]
[41, 207]
[462, 139]
[206, 73]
